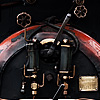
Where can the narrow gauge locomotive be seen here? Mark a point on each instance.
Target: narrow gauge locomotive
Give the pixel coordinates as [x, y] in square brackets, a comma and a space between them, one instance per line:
[47, 61]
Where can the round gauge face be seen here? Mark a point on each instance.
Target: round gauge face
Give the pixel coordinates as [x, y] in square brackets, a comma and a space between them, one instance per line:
[31, 1]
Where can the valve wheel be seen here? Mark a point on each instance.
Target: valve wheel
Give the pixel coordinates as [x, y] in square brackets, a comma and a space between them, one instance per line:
[80, 2]
[23, 19]
[80, 11]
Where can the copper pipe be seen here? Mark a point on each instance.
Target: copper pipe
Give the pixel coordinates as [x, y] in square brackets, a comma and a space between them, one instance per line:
[25, 34]
[25, 73]
[58, 80]
[73, 73]
[33, 97]
[42, 82]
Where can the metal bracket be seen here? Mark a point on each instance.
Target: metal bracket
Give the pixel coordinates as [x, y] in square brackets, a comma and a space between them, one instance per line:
[34, 76]
[65, 77]
[34, 85]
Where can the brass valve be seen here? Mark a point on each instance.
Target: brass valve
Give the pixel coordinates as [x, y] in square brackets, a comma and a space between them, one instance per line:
[80, 2]
[34, 87]
[23, 19]
[80, 11]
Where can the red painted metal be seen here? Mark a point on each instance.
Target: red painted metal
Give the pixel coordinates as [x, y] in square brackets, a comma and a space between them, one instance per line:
[89, 46]
[89, 43]
[85, 39]
[7, 42]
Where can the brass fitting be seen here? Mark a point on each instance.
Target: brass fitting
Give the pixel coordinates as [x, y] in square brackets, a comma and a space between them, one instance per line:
[34, 86]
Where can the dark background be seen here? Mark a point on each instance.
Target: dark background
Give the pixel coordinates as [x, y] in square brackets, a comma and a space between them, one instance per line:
[46, 8]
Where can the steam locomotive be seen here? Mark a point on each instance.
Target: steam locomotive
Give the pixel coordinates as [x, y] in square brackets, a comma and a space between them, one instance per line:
[47, 60]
